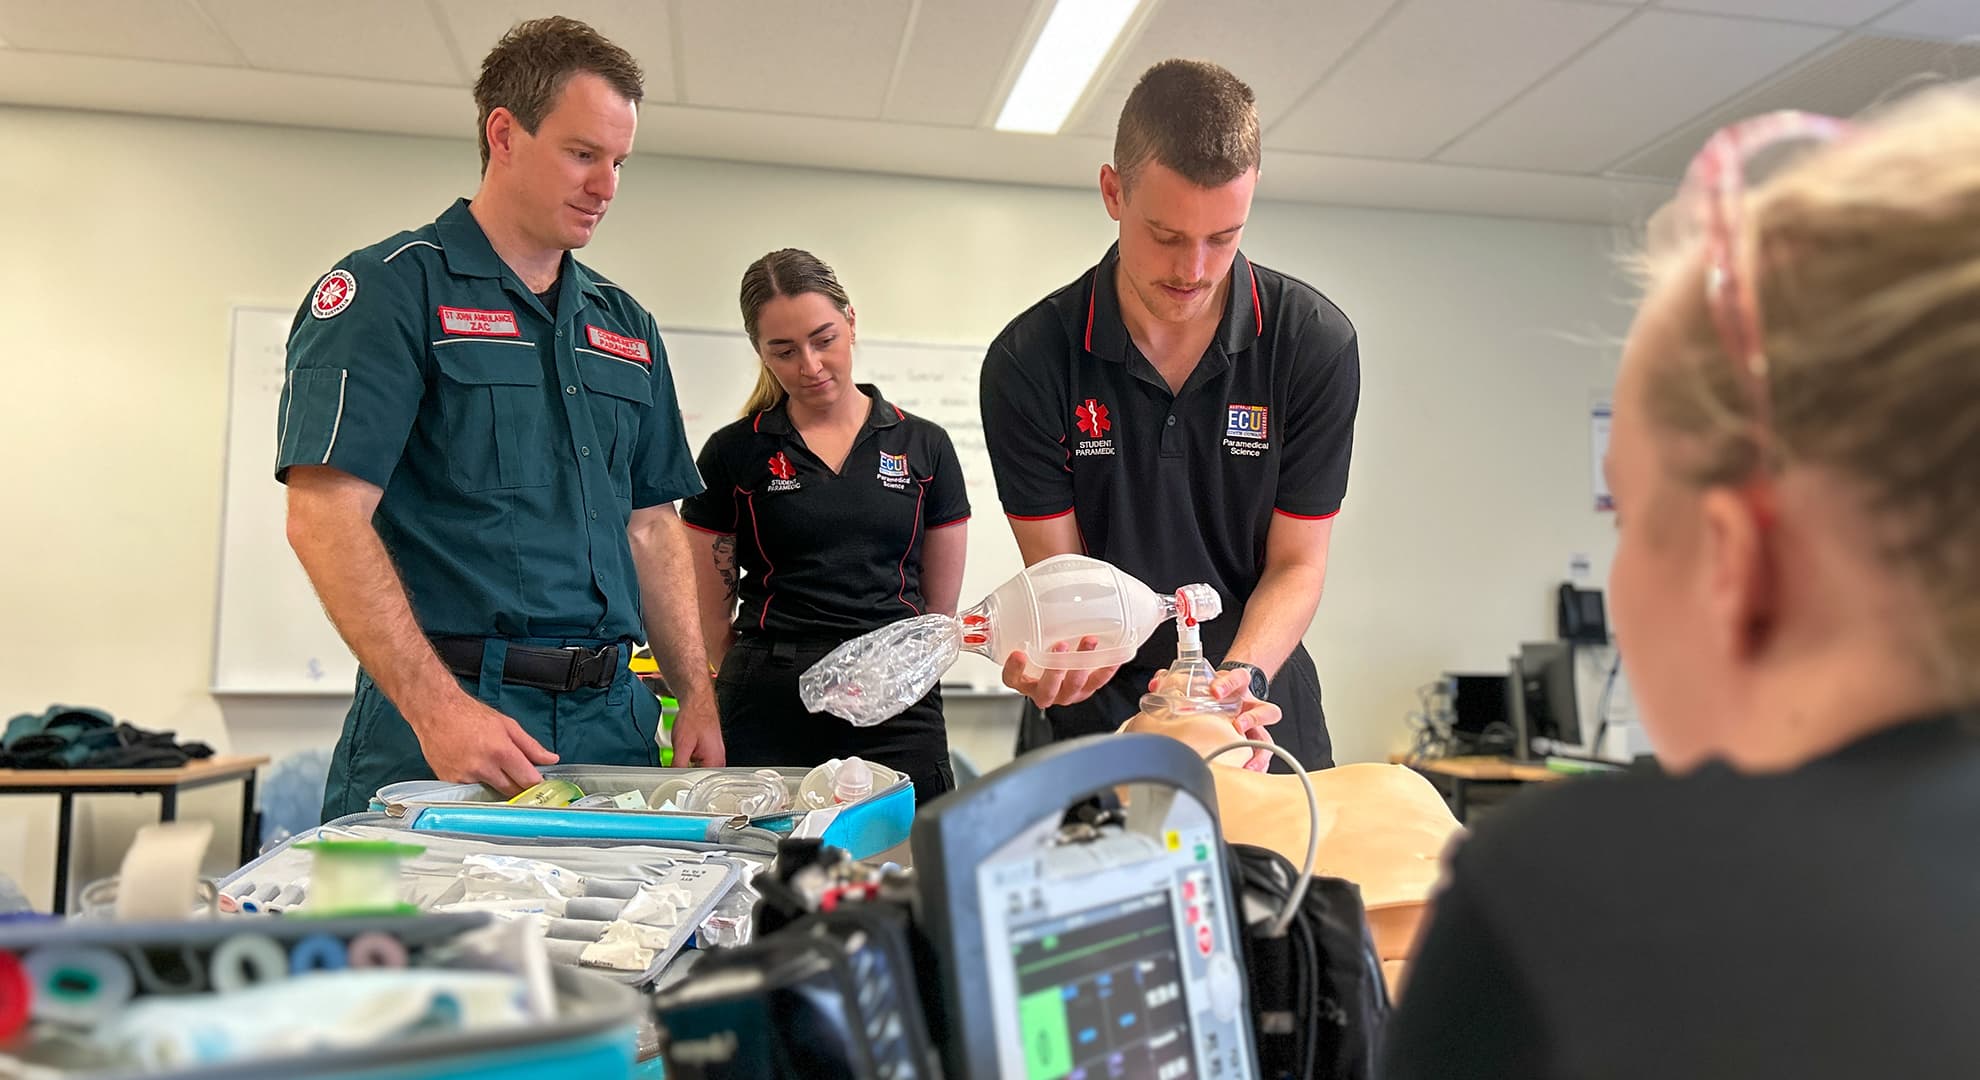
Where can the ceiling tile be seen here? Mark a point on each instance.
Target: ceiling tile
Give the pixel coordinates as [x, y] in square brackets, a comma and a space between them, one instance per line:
[349, 38]
[1824, 12]
[1278, 47]
[957, 54]
[1946, 20]
[641, 28]
[242, 94]
[141, 29]
[1650, 76]
[1460, 189]
[1435, 70]
[1857, 74]
[805, 57]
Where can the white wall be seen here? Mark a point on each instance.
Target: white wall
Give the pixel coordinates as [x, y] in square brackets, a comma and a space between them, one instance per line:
[127, 240]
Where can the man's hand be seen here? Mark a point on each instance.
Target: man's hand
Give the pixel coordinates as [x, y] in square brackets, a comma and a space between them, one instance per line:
[467, 742]
[1254, 715]
[1053, 686]
[698, 736]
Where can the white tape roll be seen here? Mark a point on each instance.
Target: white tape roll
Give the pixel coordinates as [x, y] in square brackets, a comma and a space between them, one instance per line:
[78, 986]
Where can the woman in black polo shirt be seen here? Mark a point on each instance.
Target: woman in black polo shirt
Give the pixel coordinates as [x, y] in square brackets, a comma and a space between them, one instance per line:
[828, 513]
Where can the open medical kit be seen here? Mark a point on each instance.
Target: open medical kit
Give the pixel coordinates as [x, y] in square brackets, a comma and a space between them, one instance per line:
[713, 806]
[370, 998]
[620, 908]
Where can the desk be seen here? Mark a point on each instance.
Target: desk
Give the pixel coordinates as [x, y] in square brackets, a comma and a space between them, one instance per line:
[1462, 772]
[165, 783]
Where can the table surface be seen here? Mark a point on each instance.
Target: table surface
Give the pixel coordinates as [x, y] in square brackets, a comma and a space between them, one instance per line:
[218, 767]
[1482, 767]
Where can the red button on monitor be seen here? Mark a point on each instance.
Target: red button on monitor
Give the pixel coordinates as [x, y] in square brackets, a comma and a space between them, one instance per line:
[1194, 916]
[1189, 889]
[1203, 939]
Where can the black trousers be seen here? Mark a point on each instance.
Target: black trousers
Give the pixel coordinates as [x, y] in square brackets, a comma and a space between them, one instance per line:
[764, 722]
[1302, 727]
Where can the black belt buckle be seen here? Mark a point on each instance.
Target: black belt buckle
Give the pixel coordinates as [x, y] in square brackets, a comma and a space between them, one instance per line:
[574, 668]
[587, 665]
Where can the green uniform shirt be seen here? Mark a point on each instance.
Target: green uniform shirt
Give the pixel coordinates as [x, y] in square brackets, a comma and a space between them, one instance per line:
[511, 447]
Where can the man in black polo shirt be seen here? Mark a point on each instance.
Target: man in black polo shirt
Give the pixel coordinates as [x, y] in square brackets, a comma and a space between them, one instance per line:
[1182, 413]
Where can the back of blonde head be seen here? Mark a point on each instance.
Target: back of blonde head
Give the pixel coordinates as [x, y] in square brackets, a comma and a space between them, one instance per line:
[1869, 285]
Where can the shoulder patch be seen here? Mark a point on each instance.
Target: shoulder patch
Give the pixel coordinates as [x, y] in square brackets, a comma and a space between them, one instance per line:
[333, 294]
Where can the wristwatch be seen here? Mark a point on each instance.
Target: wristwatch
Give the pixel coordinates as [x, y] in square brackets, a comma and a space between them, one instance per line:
[1260, 685]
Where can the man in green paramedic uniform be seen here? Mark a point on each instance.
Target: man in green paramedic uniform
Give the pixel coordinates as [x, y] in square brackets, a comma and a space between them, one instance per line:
[483, 449]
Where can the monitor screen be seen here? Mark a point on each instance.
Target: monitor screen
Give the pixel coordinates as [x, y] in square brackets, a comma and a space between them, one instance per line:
[1478, 705]
[1552, 709]
[1100, 993]
[1081, 948]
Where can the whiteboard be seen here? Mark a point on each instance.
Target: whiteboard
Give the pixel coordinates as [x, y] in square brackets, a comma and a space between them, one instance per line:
[271, 636]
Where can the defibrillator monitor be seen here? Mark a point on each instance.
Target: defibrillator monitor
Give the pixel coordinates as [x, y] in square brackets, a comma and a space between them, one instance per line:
[1085, 950]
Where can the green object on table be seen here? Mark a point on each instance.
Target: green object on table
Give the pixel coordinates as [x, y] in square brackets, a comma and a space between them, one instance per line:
[356, 877]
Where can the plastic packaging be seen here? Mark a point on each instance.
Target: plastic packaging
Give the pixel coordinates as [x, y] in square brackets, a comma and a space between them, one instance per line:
[1062, 599]
[317, 1013]
[549, 793]
[754, 794]
[624, 800]
[506, 877]
[843, 781]
[732, 924]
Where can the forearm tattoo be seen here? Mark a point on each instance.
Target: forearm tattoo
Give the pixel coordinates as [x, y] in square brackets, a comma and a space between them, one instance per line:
[725, 563]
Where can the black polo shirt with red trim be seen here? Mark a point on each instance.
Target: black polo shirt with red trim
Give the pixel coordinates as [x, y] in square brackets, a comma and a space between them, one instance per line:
[824, 553]
[1175, 488]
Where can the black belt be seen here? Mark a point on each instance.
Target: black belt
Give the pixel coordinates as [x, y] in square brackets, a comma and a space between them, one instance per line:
[556, 670]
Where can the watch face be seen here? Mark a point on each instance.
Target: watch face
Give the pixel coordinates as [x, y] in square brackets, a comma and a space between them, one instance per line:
[1259, 686]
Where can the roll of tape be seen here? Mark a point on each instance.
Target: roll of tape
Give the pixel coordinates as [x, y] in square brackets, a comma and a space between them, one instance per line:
[317, 952]
[373, 949]
[181, 974]
[247, 960]
[79, 986]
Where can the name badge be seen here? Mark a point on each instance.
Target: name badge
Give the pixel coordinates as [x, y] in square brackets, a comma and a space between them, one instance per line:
[455, 320]
[619, 345]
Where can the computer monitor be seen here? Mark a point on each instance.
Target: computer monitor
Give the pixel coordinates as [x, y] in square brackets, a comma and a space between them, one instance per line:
[1547, 697]
[1478, 704]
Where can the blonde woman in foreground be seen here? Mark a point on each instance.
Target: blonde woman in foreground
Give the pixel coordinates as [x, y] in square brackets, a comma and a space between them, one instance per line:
[1796, 591]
